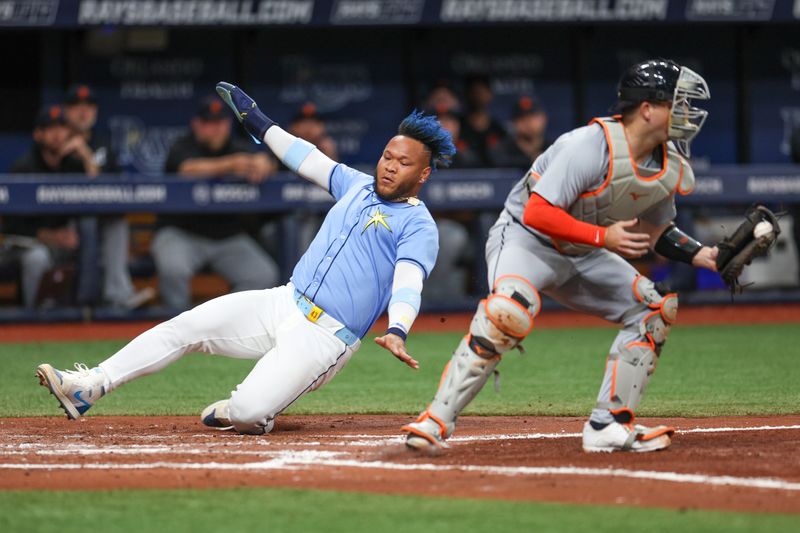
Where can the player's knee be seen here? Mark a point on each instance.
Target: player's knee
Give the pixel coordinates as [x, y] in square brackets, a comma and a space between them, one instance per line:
[174, 269]
[506, 316]
[247, 418]
[658, 309]
[37, 258]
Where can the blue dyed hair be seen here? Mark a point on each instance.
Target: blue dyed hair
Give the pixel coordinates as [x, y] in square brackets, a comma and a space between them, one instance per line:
[427, 130]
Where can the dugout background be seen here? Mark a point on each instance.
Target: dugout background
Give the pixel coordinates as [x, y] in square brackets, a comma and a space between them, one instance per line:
[364, 79]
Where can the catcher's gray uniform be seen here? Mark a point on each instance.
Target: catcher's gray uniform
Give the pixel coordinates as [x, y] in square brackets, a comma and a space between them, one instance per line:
[597, 282]
[589, 173]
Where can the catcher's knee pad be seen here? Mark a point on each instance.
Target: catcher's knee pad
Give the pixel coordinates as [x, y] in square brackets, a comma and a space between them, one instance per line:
[661, 310]
[505, 317]
[462, 379]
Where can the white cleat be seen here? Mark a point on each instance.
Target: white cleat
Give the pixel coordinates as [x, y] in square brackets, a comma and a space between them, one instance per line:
[426, 435]
[76, 390]
[217, 415]
[626, 438]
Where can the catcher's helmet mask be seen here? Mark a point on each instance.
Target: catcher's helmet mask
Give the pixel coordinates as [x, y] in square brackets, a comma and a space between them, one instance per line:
[663, 80]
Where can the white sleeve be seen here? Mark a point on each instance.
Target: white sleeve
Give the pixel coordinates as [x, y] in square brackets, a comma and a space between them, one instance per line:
[300, 156]
[406, 296]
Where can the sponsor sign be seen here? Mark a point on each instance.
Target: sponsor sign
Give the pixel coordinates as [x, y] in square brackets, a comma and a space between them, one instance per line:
[73, 194]
[28, 12]
[739, 10]
[377, 11]
[462, 11]
[760, 185]
[194, 12]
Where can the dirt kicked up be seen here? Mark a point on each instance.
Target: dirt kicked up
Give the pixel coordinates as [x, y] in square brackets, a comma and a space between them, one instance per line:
[730, 463]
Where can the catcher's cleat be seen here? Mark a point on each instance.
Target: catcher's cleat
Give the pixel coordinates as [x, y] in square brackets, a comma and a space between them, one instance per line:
[426, 434]
[626, 438]
[217, 415]
[245, 109]
[76, 390]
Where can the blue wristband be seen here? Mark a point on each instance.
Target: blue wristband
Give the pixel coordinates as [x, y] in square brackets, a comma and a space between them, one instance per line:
[397, 331]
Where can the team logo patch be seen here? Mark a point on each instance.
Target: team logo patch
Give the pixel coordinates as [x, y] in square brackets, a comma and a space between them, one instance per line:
[377, 218]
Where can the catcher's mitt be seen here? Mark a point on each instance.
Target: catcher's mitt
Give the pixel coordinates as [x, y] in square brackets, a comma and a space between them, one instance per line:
[753, 238]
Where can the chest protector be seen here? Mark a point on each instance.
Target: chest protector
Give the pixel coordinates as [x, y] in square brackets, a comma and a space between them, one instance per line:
[628, 190]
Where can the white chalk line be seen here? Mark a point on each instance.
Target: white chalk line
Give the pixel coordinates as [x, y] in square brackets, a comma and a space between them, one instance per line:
[293, 460]
[726, 430]
[332, 440]
[560, 435]
[302, 460]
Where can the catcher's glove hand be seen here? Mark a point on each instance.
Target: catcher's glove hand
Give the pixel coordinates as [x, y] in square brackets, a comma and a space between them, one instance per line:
[753, 238]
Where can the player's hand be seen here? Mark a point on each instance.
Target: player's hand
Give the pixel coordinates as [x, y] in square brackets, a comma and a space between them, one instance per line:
[621, 240]
[706, 258]
[239, 164]
[397, 346]
[259, 169]
[78, 147]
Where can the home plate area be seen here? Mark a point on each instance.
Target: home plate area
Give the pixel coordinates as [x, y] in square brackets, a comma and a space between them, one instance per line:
[730, 463]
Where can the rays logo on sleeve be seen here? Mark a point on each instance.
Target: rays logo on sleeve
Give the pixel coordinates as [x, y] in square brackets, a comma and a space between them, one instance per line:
[377, 218]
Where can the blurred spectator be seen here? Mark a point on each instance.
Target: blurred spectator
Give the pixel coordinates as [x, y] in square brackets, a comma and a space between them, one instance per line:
[47, 240]
[795, 209]
[80, 112]
[451, 121]
[479, 130]
[183, 245]
[527, 141]
[308, 125]
[448, 280]
[442, 96]
[209, 150]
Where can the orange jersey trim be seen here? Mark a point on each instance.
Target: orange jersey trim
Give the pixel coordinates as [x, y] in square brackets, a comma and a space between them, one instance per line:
[610, 172]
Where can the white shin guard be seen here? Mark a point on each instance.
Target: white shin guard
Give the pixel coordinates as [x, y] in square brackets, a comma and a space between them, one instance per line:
[502, 320]
[462, 380]
[631, 365]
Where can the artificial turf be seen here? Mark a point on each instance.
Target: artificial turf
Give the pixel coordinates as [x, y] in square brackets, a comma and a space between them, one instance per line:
[290, 510]
[703, 371]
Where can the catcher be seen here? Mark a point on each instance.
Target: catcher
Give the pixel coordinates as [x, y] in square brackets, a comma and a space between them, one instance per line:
[601, 193]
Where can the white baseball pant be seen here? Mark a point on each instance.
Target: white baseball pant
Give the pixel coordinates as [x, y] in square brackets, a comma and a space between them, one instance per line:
[294, 355]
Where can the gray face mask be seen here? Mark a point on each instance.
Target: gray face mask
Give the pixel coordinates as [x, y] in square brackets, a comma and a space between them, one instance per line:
[685, 119]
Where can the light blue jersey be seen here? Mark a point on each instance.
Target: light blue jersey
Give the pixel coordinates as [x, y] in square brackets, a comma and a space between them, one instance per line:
[349, 268]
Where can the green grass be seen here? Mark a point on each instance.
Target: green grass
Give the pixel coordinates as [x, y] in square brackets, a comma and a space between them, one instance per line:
[277, 510]
[704, 371]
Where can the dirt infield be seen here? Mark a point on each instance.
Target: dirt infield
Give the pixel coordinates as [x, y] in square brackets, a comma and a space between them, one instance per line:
[739, 463]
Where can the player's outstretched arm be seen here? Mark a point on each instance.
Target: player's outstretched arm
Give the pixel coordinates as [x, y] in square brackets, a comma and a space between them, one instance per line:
[403, 310]
[300, 156]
